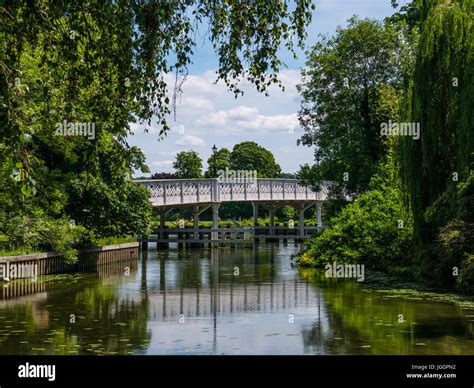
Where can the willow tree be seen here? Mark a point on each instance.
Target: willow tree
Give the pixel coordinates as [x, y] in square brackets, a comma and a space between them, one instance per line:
[440, 98]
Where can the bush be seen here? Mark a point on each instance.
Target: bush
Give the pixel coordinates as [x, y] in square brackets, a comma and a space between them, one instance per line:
[60, 236]
[465, 281]
[448, 261]
[375, 230]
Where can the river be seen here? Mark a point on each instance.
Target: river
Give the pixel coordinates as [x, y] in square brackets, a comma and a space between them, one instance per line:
[228, 301]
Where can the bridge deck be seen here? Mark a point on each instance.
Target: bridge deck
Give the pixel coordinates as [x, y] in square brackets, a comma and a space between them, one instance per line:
[201, 194]
[166, 192]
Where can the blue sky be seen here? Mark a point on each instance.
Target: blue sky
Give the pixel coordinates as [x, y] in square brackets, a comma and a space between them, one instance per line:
[208, 114]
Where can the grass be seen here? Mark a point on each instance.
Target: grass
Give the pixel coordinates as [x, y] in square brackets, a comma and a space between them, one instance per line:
[98, 242]
[114, 240]
[17, 252]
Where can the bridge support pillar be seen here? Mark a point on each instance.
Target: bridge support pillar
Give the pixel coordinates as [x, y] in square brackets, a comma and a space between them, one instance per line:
[272, 221]
[163, 235]
[301, 222]
[196, 223]
[302, 207]
[215, 222]
[197, 210]
[272, 207]
[255, 221]
[319, 206]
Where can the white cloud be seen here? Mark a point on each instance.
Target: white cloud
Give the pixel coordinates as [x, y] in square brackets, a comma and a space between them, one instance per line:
[243, 113]
[162, 163]
[271, 123]
[166, 153]
[193, 103]
[245, 119]
[190, 140]
[144, 128]
[208, 113]
[215, 119]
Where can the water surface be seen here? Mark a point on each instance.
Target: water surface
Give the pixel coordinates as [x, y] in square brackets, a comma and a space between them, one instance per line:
[226, 301]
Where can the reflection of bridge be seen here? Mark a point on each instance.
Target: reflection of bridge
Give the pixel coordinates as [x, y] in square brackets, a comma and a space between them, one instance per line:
[203, 194]
[224, 299]
[178, 290]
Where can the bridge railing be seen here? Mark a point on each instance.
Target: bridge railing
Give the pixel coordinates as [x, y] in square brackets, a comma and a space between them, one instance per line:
[189, 191]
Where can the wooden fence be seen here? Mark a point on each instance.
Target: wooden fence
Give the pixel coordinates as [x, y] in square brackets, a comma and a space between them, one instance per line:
[89, 260]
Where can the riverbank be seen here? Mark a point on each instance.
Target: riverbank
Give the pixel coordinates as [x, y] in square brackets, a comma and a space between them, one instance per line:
[383, 282]
[46, 263]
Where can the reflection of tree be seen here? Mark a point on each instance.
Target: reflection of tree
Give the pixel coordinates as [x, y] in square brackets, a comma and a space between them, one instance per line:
[357, 317]
[105, 322]
[254, 266]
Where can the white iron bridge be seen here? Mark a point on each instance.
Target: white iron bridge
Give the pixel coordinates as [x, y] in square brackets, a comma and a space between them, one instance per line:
[202, 194]
[172, 192]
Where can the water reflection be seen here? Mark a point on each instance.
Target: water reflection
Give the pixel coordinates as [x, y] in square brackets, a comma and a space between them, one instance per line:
[225, 301]
[76, 314]
[362, 320]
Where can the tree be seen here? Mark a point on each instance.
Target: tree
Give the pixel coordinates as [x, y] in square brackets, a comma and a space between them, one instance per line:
[288, 175]
[163, 175]
[188, 164]
[104, 63]
[367, 231]
[437, 168]
[218, 161]
[249, 156]
[144, 40]
[351, 86]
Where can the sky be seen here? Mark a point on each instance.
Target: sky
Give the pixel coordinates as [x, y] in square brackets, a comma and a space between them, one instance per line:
[208, 114]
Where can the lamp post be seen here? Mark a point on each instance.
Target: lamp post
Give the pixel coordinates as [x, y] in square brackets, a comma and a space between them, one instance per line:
[214, 150]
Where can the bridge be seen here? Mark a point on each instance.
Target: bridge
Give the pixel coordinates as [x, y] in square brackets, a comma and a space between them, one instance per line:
[200, 195]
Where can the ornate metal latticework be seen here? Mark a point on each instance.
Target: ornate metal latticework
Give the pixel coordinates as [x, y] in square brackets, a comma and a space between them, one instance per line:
[195, 191]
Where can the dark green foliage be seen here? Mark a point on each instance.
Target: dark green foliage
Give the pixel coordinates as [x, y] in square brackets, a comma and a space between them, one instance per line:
[351, 85]
[234, 211]
[443, 109]
[367, 231]
[104, 62]
[219, 161]
[449, 259]
[433, 181]
[163, 175]
[188, 164]
[440, 98]
[108, 211]
[249, 156]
